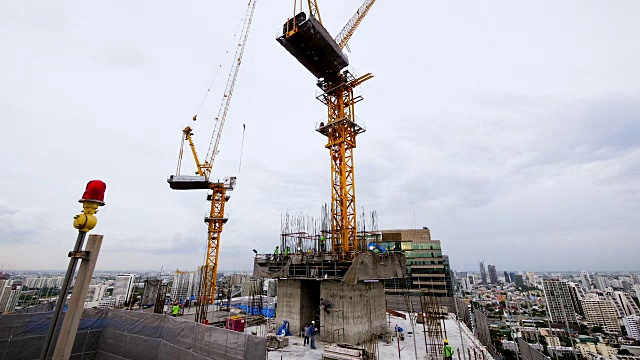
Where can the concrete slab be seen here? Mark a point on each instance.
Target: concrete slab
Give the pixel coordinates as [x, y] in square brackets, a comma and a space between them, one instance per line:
[460, 337]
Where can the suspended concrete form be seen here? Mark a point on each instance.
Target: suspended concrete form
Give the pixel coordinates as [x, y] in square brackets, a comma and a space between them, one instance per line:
[310, 43]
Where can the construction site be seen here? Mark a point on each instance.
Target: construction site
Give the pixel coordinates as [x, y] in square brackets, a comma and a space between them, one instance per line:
[367, 293]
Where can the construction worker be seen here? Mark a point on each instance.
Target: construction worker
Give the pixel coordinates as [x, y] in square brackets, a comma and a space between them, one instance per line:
[325, 304]
[276, 252]
[323, 241]
[175, 310]
[312, 333]
[447, 350]
[287, 251]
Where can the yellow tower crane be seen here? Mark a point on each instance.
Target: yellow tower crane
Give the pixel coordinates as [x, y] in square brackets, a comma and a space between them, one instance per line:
[310, 43]
[202, 180]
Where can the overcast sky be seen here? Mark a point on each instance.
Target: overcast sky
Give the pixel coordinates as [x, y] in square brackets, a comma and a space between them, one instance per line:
[510, 129]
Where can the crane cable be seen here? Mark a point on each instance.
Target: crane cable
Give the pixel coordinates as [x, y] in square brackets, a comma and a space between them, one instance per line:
[180, 156]
[244, 128]
[231, 42]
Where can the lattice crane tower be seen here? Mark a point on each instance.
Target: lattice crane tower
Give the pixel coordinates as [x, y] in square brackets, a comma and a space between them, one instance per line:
[310, 43]
[202, 180]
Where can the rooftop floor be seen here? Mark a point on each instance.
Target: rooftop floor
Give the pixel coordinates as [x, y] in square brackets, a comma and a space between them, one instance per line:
[459, 338]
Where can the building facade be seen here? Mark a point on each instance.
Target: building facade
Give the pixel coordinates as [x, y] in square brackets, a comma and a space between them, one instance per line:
[493, 274]
[603, 313]
[123, 287]
[558, 300]
[428, 270]
[632, 325]
[483, 273]
[625, 303]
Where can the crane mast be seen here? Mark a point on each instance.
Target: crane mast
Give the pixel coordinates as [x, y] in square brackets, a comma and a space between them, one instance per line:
[310, 43]
[202, 180]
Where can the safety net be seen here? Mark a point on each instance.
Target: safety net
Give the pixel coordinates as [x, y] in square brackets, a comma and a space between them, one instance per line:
[120, 334]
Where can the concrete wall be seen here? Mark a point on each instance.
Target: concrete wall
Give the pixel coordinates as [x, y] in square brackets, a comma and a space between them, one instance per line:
[357, 311]
[298, 302]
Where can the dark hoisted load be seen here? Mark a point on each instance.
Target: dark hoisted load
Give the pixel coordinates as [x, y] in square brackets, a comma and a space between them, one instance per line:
[313, 47]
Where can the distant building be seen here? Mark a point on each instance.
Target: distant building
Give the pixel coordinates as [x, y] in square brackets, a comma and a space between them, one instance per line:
[428, 269]
[601, 283]
[507, 279]
[518, 280]
[636, 289]
[9, 298]
[509, 345]
[552, 340]
[603, 313]
[124, 286]
[483, 274]
[632, 325]
[493, 275]
[577, 295]
[558, 299]
[111, 302]
[585, 279]
[625, 302]
[96, 292]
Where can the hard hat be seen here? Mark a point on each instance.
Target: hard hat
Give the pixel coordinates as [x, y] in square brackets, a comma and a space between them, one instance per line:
[313, 322]
[446, 341]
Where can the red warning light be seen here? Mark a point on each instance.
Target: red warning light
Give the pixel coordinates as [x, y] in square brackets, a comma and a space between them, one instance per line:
[94, 191]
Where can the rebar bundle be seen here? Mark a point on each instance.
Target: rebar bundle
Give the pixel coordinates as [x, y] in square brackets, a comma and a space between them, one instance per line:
[432, 326]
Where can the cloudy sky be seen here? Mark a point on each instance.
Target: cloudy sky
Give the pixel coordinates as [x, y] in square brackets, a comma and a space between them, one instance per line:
[510, 129]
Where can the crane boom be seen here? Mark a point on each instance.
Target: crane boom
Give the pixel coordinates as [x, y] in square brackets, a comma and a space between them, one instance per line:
[228, 92]
[347, 31]
[314, 10]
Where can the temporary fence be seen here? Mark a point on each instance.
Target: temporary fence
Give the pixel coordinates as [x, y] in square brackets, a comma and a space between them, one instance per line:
[120, 334]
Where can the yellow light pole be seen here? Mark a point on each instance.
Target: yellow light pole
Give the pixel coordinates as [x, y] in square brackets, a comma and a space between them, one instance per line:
[92, 198]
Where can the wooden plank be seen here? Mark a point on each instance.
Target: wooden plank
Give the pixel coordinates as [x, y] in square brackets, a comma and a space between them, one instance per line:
[397, 314]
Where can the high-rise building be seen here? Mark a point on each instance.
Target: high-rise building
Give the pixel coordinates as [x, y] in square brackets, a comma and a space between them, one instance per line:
[636, 289]
[585, 279]
[601, 283]
[493, 274]
[428, 270]
[558, 298]
[10, 297]
[518, 280]
[483, 273]
[577, 295]
[632, 325]
[625, 302]
[123, 286]
[601, 312]
[507, 279]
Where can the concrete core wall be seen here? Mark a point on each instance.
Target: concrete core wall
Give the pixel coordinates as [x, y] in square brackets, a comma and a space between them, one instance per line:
[357, 311]
[298, 302]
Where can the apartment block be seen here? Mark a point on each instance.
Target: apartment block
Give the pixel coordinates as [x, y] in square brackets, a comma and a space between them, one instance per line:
[603, 313]
[558, 299]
